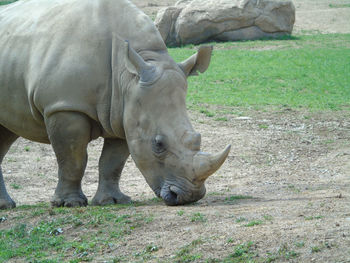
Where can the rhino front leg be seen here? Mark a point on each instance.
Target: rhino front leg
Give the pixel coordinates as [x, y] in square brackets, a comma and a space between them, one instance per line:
[112, 160]
[69, 134]
[6, 140]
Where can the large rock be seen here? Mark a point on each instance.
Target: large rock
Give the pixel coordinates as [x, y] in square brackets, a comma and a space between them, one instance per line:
[198, 21]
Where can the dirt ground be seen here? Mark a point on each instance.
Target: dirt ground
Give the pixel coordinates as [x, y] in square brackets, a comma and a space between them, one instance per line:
[295, 165]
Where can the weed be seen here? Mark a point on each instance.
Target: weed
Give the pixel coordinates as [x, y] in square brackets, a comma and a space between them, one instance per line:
[253, 223]
[238, 197]
[313, 217]
[283, 253]
[263, 126]
[198, 217]
[7, 2]
[240, 219]
[339, 5]
[221, 119]
[241, 253]
[293, 188]
[185, 255]
[27, 148]
[151, 248]
[180, 212]
[39, 212]
[268, 217]
[315, 249]
[300, 244]
[207, 113]
[214, 193]
[15, 186]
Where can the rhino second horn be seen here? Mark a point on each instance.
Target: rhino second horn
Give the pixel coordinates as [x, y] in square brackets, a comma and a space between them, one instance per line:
[136, 60]
[144, 70]
[205, 164]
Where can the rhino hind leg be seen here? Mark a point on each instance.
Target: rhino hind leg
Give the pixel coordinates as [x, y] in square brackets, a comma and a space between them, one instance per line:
[6, 140]
[69, 134]
[111, 163]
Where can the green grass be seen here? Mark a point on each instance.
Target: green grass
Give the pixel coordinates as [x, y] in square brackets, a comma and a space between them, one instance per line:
[185, 254]
[198, 217]
[51, 237]
[306, 72]
[284, 253]
[345, 5]
[7, 2]
[241, 253]
[235, 198]
[254, 223]
[15, 186]
[313, 217]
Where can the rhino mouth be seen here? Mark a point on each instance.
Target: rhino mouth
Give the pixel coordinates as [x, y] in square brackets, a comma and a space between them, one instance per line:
[172, 195]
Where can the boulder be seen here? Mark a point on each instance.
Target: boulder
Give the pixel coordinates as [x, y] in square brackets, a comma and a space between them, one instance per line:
[198, 21]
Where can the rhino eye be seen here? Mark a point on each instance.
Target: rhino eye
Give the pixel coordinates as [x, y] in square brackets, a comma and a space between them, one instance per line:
[158, 144]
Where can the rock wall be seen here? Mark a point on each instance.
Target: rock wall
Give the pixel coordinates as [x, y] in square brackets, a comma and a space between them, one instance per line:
[198, 21]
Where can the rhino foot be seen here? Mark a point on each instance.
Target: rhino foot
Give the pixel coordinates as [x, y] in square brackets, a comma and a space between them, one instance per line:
[7, 204]
[70, 201]
[110, 199]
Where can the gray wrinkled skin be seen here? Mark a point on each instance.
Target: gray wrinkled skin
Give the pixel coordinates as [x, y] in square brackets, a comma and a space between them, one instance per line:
[68, 76]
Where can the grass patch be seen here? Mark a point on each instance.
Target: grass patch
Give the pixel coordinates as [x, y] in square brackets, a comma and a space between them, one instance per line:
[241, 253]
[7, 2]
[308, 72]
[15, 186]
[180, 212]
[299, 244]
[185, 254]
[52, 235]
[198, 217]
[207, 113]
[238, 197]
[221, 119]
[313, 217]
[268, 217]
[284, 253]
[345, 5]
[315, 249]
[254, 223]
[241, 219]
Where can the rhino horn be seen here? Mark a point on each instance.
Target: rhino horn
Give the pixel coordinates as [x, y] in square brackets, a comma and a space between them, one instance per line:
[138, 66]
[205, 164]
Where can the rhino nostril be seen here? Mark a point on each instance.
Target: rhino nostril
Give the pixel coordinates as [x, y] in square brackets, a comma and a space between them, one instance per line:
[173, 195]
[170, 197]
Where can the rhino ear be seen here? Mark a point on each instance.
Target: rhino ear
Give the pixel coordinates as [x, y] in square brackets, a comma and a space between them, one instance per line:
[197, 62]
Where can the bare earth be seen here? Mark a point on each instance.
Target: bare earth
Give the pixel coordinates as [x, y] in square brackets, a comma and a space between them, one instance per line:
[295, 165]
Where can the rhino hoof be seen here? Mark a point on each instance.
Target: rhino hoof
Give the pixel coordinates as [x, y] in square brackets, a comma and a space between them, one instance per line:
[111, 199]
[7, 204]
[77, 201]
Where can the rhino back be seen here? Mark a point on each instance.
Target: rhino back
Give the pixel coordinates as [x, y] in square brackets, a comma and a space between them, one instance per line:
[55, 55]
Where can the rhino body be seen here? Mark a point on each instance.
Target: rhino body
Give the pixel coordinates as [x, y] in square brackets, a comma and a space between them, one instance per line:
[75, 70]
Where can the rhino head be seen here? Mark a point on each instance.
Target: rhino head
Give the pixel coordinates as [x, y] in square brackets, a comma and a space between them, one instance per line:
[161, 139]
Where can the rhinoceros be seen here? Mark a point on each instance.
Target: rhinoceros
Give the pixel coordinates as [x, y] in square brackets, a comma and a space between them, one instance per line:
[75, 70]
